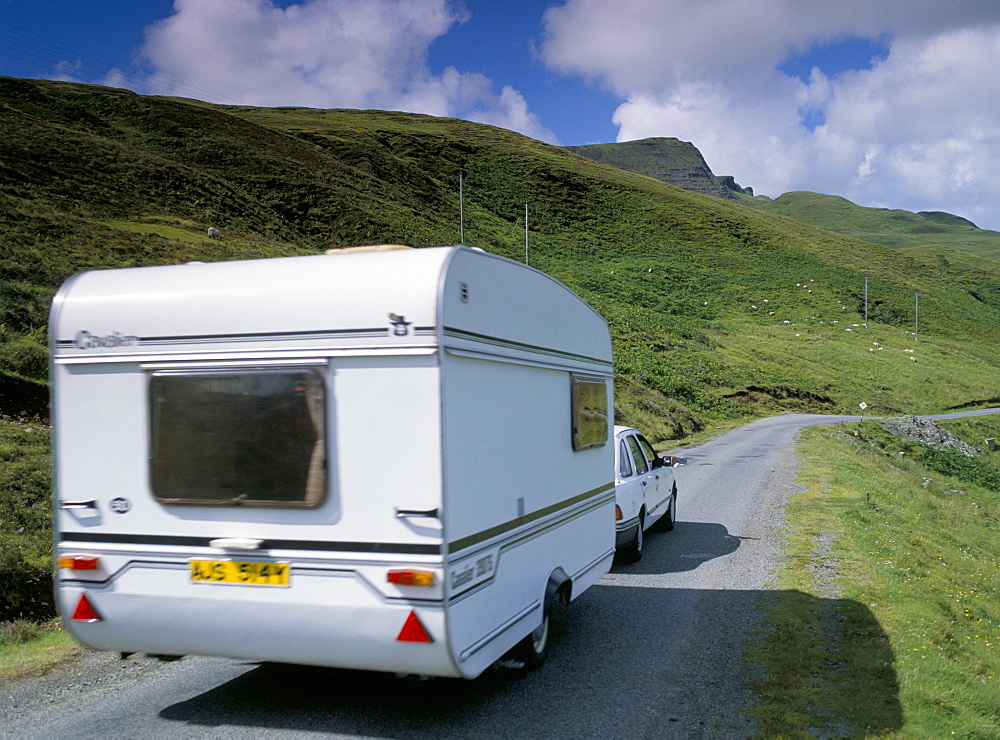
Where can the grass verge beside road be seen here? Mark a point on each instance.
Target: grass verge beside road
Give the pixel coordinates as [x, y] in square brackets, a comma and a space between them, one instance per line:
[885, 618]
[32, 648]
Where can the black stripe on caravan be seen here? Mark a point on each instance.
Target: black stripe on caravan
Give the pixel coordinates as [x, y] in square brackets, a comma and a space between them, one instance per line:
[475, 539]
[382, 548]
[507, 343]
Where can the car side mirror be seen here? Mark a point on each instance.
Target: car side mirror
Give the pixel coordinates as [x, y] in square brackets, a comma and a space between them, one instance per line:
[673, 460]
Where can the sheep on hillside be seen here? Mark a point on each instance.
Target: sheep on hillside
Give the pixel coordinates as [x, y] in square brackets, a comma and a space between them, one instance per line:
[214, 233]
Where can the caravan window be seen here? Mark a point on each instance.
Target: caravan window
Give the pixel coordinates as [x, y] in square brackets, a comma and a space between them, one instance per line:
[238, 438]
[590, 412]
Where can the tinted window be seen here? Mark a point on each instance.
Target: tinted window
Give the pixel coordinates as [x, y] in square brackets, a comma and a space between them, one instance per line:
[649, 452]
[640, 462]
[238, 438]
[624, 461]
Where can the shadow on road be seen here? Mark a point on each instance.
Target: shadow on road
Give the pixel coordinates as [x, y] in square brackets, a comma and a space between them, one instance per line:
[626, 662]
[684, 549]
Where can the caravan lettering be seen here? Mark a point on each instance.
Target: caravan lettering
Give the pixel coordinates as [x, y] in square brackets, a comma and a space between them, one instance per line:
[460, 578]
[86, 340]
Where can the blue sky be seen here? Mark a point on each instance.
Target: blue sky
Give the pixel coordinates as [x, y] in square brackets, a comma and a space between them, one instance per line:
[889, 103]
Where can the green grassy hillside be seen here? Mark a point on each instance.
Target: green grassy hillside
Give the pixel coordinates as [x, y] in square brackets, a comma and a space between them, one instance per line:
[718, 311]
[894, 228]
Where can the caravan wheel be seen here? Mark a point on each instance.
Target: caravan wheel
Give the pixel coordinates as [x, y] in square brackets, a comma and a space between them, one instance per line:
[534, 647]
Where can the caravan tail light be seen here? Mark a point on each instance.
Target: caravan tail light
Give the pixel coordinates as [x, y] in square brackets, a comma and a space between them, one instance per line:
[85, 611]
[413, 630]
[618, 513]
[409, 577]
[80, 562]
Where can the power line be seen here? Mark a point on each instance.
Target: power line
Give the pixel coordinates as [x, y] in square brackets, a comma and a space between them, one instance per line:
[54, 57]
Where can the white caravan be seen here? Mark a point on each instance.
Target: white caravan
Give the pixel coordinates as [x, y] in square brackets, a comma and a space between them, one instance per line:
[390, 460]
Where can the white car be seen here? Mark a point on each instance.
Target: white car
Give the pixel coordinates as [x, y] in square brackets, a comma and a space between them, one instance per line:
[645, 492]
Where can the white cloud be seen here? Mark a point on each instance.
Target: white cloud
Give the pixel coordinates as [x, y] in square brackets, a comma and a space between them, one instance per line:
[68, 71]
[324, 54]
[918, 130]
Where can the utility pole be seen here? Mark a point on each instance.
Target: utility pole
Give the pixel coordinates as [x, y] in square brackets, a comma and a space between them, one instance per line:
[526, 232]
[916, 316]
[866, 302]
[461, 208]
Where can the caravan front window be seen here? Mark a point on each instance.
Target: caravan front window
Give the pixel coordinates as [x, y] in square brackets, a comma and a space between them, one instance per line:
[238, 437]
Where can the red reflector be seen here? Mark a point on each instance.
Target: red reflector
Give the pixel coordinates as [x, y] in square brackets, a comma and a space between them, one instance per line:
[85, 611]
[413, 631]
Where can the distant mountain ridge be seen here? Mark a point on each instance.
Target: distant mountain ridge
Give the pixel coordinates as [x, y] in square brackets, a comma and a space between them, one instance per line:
[680, 163]
[669, 160]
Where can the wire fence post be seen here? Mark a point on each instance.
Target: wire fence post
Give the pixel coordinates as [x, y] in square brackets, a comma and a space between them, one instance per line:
[526, 232]
[461, 208]
[866, 302]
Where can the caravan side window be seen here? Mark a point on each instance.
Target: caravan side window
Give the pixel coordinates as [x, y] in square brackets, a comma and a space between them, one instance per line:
[238, 437]
[589, 404]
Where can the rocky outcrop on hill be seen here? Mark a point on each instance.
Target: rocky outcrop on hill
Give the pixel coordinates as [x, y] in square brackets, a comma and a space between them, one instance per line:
[667, 159]
[927, 432]
[730, 184]
[780, 393]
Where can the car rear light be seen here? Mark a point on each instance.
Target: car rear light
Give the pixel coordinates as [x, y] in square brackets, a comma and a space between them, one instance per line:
[618, 513]
[80, 562]
[413, 630]
[409, 577]
[85, 611]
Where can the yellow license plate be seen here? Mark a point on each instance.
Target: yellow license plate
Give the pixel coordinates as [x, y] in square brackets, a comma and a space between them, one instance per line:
[231, 571]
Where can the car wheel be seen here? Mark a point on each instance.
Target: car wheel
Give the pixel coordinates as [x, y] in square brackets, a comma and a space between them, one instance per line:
[667, 521]
[531, 650]
[633, 552]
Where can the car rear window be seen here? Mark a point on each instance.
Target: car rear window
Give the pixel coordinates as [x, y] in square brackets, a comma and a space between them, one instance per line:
[253, 437]
[624, 461]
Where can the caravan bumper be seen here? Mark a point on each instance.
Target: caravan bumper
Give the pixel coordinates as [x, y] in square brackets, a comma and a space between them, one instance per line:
[327, 616]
